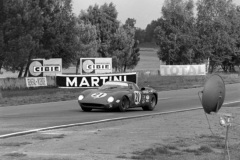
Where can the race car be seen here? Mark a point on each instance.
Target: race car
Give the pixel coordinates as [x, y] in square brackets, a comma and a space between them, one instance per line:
[120, 95]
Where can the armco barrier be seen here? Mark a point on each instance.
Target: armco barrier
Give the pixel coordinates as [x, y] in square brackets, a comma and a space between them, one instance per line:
[20, 83]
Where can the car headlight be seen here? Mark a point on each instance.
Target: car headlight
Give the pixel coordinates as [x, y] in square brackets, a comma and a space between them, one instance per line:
[110, 99]
[80, 97]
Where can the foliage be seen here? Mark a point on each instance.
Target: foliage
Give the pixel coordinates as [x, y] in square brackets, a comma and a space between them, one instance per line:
[149, 31]
[140, 35]
[114, 40]
[175, 32]
[21, 32]
[37, 29]
[124, 47]
[86, 42]
[58, 40]
[48, 29]
[184, 38]
[218, 26]
[105, 19]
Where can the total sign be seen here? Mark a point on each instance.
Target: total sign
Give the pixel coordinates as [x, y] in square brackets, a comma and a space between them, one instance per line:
[45, 67]
[95, 65]
[182, 70]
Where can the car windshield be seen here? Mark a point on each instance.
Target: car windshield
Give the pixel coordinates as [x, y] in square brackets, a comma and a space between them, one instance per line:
[112, 85]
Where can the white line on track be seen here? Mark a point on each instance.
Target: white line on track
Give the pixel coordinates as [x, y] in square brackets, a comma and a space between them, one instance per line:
[99, 121]
[232, 102]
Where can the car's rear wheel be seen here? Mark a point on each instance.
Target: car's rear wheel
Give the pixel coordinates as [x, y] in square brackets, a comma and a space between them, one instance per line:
[152, 104]
[86, 109]
[124, 105]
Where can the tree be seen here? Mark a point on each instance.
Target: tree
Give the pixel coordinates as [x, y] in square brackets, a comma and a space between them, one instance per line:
[114, 41]
[149, 31]
[87, 44]
[124, 48]
[175, 32]
[58, 40]
[130, 22]
[105, 20]
[21, 32]
[37, 29]
[218, 28]
[121, 46]
[139, 35]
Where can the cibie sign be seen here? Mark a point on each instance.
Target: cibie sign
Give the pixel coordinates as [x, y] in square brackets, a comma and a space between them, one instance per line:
[45, 67]
[182, 70]
[95, 65]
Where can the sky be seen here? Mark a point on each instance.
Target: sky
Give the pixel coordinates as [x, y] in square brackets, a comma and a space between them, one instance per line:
[143, 11]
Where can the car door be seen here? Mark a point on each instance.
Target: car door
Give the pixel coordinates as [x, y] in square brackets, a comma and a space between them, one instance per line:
[137, 95]
[144, 94]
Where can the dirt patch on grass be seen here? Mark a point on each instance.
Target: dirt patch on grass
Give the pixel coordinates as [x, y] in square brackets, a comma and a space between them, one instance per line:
[49, 136]
[199, 147]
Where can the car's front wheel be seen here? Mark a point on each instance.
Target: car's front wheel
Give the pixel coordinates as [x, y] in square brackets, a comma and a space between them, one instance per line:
[124, 105]
[152, 104]
[86, 109]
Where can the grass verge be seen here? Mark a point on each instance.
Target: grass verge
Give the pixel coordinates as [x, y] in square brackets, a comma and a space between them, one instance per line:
[200, 147]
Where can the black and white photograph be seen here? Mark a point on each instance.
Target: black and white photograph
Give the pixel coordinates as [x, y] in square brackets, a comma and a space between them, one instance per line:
[119, 79]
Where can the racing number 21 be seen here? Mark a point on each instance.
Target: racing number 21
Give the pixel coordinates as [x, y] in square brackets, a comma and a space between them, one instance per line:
[137, 97]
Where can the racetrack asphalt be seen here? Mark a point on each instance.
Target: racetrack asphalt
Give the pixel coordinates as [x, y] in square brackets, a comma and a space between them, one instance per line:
[26, 118]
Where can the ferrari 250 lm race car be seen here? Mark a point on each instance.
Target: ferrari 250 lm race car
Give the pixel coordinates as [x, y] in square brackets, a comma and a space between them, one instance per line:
[119, 95]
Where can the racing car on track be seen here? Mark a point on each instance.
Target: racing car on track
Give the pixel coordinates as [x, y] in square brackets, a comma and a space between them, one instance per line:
[119, 95]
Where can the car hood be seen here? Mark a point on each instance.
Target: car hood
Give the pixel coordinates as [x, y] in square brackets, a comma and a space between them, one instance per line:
[101, 96]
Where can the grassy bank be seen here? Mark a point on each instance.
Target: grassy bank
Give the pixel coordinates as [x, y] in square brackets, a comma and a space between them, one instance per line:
[38, 95]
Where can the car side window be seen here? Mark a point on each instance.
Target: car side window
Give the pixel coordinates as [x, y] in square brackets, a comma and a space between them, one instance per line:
[130, 86]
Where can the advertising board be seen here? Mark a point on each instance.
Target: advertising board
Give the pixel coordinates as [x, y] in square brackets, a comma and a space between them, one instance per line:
[92, 81]
[36, 81]
[182, 70]
[45, 67]
[95, 65]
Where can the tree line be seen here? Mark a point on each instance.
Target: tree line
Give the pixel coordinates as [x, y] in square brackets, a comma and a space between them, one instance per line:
[48, 29]
[187, 33]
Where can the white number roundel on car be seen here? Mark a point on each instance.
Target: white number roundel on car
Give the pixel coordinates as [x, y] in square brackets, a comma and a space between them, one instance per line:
[137, 97]
[98, 95]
